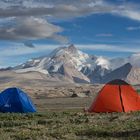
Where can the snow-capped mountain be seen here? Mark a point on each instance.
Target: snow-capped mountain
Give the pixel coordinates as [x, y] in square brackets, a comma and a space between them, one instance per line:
[71, 59]
[77, 66]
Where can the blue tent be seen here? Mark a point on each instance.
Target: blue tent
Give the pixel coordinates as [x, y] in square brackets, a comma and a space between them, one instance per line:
[15, 100]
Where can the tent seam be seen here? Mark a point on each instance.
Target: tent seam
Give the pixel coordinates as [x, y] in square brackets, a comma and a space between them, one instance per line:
[122, 105]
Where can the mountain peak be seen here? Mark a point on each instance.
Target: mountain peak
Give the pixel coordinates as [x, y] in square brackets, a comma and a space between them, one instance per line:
[71, 48]
[75, 65]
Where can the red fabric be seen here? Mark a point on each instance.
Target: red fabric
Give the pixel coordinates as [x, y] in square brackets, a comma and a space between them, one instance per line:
[131, 100]
[113, 98]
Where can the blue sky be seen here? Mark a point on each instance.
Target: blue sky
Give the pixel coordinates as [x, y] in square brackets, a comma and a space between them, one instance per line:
[34, 28]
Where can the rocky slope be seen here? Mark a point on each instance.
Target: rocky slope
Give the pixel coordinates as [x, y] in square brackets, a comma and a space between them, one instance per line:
[78, 67]
[69, 62]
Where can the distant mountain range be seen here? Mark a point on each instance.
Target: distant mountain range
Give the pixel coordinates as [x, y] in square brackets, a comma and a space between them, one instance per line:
[79, 67]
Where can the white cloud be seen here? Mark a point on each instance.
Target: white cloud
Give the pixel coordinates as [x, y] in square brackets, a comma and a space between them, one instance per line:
[31, 28]
[132, 28]
[17, 25]
[109, 48]
[67, 8]
[104, 35]
[132, 14]
[15, 49]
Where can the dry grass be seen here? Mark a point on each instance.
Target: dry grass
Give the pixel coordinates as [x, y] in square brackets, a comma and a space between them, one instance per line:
[69, 125]
[63, 118]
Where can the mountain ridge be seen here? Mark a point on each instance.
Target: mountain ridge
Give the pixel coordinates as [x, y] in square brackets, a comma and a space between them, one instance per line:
[79, 67]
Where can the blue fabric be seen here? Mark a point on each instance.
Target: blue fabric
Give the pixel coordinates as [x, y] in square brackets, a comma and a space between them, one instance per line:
[15, 100]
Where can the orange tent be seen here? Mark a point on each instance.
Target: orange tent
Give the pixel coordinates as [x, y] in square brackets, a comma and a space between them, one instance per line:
[116, 96]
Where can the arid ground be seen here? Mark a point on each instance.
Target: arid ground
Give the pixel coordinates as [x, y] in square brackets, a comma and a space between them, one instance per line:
[60, 114]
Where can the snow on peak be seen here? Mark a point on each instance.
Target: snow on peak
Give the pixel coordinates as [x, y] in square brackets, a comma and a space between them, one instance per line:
[71, 49]
[70, 55]
[75, 57]
[104, 63]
